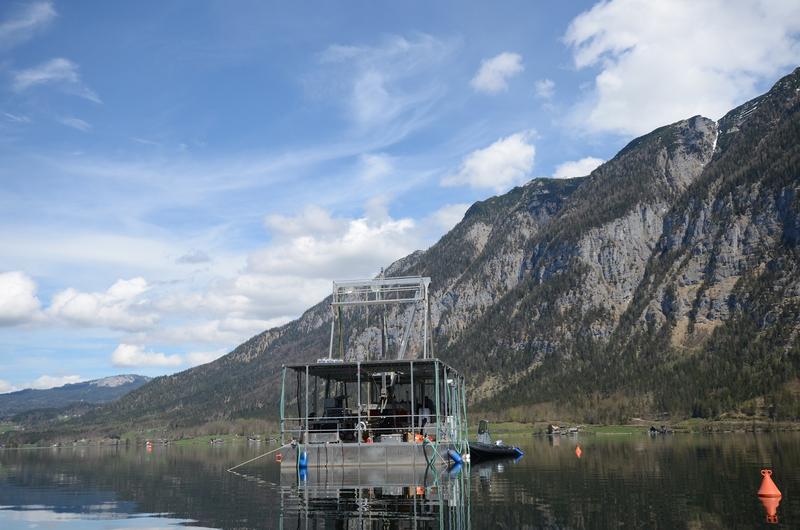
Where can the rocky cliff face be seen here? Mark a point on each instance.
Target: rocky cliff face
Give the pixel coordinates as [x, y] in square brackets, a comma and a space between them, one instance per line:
[664, 281]
[687, 300]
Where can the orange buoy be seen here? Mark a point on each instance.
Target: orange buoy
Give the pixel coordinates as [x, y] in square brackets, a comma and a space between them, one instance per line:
[771, 507]
[768, 487]
[278, 458]
[770, 496]
[578, 451]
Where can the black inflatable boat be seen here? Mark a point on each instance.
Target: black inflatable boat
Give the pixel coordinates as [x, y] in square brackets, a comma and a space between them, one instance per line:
[478, 452]
[484, 449]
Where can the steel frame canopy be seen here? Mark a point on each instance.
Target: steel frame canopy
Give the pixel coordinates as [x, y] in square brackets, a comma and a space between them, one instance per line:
[348, 372]
[383, 291]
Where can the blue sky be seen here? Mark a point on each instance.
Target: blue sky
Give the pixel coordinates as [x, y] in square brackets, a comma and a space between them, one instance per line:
[179, 176]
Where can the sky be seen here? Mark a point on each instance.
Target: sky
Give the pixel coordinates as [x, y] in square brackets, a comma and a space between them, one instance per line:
[178, 176]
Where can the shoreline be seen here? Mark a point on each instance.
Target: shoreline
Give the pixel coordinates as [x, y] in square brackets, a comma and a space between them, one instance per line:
[498, 428]
[688, 426]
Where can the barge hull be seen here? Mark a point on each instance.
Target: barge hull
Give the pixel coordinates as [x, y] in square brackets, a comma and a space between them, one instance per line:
[364, 454]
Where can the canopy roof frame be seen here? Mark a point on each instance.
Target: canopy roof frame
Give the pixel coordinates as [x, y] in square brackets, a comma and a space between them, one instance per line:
[348, 371]
[382, 291]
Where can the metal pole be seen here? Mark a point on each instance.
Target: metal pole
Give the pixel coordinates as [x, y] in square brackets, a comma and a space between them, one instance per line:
[341, 334]
[413, 403]
[425, 331]
[433, 353]
[315, 397]
[358, 382]
[283, 391]
[436, 395]
[333, 329]
[446, 391]
[333, 320]
[461, 418]
[455, 406]
[299, 419]
[306, 418]
[383, 320]
[464, 407]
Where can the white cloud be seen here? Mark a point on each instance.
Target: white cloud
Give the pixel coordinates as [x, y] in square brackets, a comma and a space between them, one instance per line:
[544, 88]
[135, 355]
[39, 246]
[120, 307]
[371, 99]
[48, 381]
[284, 295]
[253, 296]
[288, 276]
[662, 62]
[75, 123]
[60, 72]
[18, 300]
[231, 330]
[41, 383]
[16, 118]
[494, 73]
[393, 80]
[577, 168]
[203, 357]
[317, 245]
[145, 141]
[25, 22]
[313, 219]
[376, 209]
[194, 257]
[505, 163]
[374, 167]
[449, 215]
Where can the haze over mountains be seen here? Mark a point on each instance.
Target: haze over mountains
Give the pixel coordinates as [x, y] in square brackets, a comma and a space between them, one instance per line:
[666, 281]
[92, 392]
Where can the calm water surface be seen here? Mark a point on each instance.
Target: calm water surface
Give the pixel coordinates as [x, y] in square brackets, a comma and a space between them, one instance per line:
[678, 481]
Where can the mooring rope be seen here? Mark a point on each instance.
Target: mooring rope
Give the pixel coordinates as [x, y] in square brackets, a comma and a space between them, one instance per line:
[259, 456]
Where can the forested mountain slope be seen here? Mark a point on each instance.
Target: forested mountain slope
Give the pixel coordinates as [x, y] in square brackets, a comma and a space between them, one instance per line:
[712, 324]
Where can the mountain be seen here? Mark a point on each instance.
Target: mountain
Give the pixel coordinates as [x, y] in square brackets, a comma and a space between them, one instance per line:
[91, 392]
[667, 281]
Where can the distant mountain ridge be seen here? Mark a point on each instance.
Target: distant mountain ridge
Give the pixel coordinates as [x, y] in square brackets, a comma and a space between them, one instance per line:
[95, 391]
[666, 282]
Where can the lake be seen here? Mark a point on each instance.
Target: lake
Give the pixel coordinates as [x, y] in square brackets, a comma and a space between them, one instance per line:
[633, 481]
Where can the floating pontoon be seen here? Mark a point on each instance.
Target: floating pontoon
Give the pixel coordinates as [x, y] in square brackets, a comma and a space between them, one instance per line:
[402, 408]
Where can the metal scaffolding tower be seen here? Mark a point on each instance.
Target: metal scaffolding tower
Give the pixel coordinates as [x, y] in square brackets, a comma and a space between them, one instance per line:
[383, 292]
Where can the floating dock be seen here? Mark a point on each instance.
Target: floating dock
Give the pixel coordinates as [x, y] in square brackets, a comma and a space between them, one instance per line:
[375, 412]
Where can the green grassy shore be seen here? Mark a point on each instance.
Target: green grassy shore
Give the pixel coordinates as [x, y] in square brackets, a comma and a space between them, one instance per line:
[637, 427]
[694, 425]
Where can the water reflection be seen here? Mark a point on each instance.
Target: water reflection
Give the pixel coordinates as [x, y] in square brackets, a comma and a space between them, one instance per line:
[123, 488]
[363, 498]
[679, 481]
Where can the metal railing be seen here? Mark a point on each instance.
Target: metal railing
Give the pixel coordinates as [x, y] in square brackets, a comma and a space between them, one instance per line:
[446, 431]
